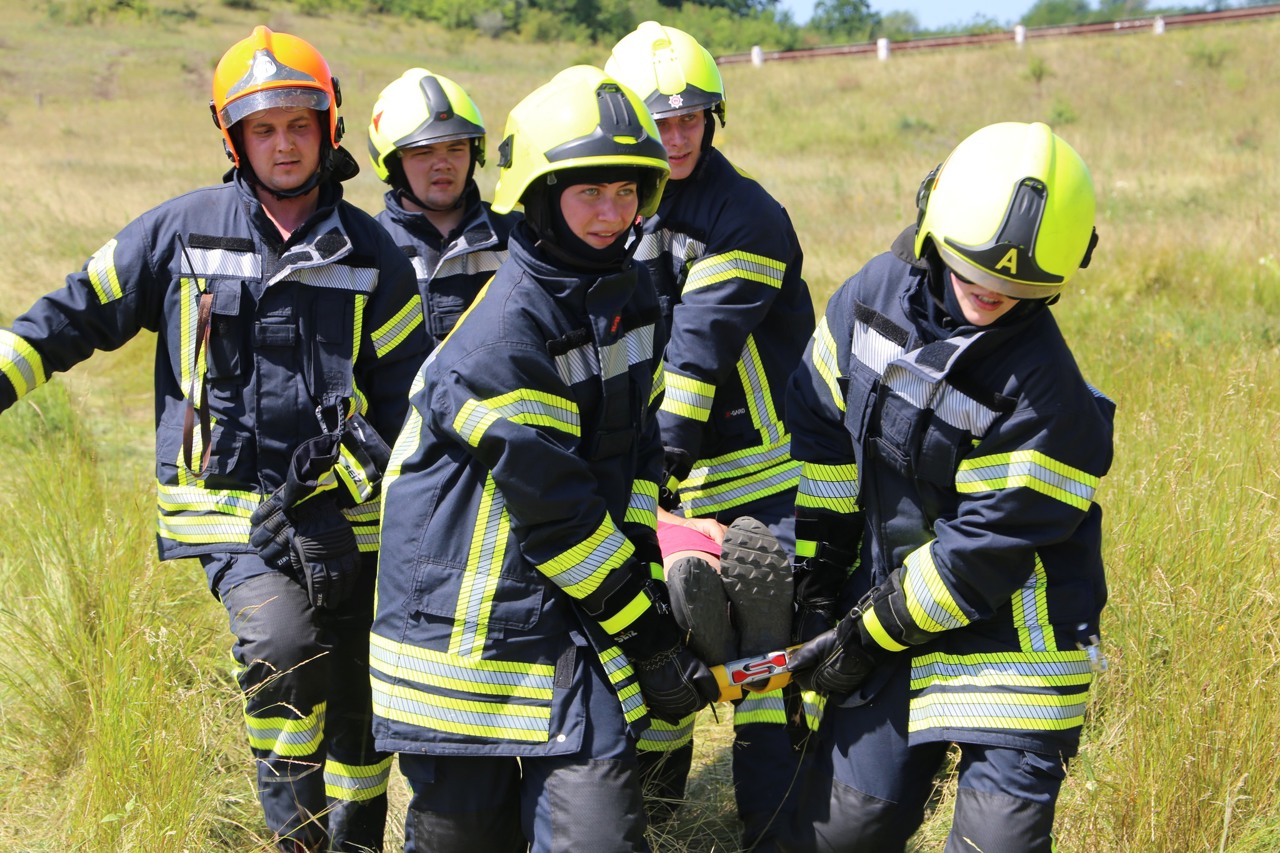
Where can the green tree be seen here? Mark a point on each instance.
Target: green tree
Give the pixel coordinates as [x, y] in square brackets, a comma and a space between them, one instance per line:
[846, 18]
[1052, 13]
[1115, 10]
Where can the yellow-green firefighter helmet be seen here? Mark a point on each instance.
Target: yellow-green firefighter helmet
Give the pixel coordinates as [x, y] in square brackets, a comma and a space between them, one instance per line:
[1011, 209]
[582, 118]
[421, 108]
[669, 70]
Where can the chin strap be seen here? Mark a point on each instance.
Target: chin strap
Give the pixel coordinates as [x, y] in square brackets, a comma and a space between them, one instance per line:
[335, 163]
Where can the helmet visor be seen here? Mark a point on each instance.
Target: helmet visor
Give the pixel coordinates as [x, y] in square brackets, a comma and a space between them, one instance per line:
[284, 97]
[970, 273]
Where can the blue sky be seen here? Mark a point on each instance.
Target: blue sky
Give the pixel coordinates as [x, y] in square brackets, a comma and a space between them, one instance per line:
[930, 13]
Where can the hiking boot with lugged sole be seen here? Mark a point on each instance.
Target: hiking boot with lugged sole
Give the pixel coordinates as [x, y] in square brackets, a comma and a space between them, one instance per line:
[756, 572]
[701, 608]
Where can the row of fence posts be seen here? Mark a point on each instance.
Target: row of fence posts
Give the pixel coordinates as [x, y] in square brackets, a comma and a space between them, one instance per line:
[882, 44]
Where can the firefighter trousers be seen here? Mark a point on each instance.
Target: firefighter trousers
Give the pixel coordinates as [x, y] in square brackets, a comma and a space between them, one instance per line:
[585, 802]
[307, 708]
[868, 788]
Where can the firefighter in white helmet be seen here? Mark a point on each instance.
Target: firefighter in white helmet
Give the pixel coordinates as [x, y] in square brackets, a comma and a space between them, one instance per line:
[951, 453]
[282, 373]
[426, 139]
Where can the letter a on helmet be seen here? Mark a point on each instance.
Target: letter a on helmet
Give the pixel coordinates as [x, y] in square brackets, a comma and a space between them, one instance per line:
[1011, 209]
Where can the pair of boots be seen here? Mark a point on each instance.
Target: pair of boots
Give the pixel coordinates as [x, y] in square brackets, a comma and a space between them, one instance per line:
[745, 609]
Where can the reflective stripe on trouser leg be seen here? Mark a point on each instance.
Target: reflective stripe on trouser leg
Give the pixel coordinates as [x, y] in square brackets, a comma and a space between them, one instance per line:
[305, 679]
[283, 673]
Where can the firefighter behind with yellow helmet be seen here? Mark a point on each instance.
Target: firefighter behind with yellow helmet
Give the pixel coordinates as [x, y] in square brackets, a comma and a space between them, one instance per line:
[523, 636]
[282, 359]
[728, 267]
[940, 415]
[426, 138]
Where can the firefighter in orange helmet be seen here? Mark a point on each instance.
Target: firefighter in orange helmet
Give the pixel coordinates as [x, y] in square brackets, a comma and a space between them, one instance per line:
[282, 374]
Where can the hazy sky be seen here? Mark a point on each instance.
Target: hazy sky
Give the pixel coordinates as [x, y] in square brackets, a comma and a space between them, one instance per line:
[930, 13]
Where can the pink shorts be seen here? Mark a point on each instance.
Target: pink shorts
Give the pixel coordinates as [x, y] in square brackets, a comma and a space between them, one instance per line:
[674, 537]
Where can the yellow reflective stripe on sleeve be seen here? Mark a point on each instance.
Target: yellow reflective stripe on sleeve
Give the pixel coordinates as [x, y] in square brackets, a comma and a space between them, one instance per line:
[665, 737]
[628, 614]
[356, 783]
[366, 524]
[620, 674]
[642, 507]
[872, 623]
[825, 362]
[738, 477]
[760, 708]
[580, 569]
[395, 330]
[829, 487]
[687, 397]
[930, 604]
[285, 736]
[102, 273]
[522, 406]
[1030, 469]
[20, 363]
[713, 269]
[485, 557]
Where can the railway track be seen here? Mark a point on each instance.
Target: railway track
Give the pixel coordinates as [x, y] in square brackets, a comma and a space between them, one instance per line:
[1132, 25]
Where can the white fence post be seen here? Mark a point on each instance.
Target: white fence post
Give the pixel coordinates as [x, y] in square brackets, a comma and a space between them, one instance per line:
[882, 49]
[757, 56]
[1158, 27]
[1019, 35]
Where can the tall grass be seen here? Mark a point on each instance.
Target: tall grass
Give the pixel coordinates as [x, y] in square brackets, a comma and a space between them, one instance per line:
[118, 724]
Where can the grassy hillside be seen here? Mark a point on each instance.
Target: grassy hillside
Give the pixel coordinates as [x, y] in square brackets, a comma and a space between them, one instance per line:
[119, 722]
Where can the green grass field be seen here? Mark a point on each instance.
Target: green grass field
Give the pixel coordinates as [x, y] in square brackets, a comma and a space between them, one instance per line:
[119, 722]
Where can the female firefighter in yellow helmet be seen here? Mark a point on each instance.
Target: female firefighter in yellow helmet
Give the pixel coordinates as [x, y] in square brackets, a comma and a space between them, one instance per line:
[281, 358]
[426, 138]
[951, 450]
[523, 636]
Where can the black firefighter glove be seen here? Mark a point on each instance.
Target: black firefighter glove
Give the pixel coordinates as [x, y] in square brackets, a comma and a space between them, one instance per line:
[323, 552]
[311, 542]
[830, 546]
[676, 465]
[837, 661]
[300, 531]
[673, 682]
